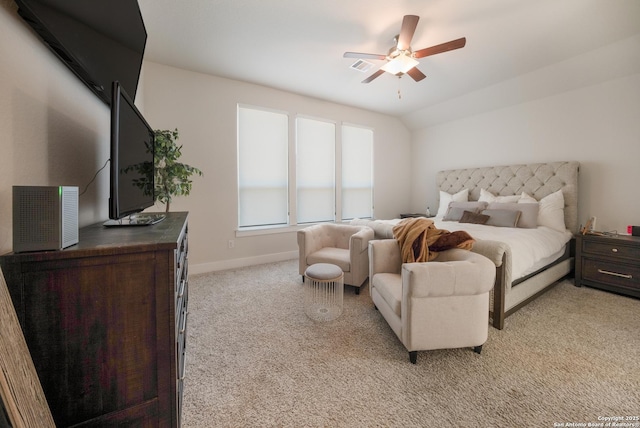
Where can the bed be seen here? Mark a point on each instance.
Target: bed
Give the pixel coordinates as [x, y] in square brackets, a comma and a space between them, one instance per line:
[518, 281]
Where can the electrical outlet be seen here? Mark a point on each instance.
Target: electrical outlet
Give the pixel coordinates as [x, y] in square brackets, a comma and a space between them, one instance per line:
[231, 243]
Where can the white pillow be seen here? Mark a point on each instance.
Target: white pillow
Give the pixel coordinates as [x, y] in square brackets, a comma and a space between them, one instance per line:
[525, 198]
[445, 198]
[486, 196]
[551, 211]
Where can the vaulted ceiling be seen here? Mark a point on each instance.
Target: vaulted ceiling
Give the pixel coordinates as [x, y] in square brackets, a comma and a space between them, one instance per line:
[298, 45]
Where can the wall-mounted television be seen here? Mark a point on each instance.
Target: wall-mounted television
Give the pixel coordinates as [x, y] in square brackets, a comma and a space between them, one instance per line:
[131, 187]
[99, 40]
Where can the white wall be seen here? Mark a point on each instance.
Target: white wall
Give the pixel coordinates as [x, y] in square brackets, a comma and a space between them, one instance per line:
[54, 130]
[597, 125]
[203, 108]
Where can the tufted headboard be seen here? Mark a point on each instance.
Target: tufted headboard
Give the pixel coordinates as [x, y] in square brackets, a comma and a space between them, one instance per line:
[537, 179]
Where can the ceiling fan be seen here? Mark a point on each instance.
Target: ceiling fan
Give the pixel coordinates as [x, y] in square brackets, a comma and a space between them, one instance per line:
[401, 59]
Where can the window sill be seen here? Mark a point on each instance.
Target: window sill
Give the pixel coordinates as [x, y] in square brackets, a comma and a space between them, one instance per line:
[273, 230]
[266, 230]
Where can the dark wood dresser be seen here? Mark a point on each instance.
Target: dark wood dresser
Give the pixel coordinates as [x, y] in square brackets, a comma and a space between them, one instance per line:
[610, 263]
[105, 322]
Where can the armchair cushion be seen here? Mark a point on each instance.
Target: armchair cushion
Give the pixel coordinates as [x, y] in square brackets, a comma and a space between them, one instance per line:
[336, 256]
[389, 285]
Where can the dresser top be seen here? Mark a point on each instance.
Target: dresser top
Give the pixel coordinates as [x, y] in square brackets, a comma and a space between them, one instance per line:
[97, 239]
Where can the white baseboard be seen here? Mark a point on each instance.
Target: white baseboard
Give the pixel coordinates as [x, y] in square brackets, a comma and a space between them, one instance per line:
[195, 269]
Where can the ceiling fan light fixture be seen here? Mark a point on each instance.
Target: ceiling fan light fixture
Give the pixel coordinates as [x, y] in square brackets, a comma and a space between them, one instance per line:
[400, 65]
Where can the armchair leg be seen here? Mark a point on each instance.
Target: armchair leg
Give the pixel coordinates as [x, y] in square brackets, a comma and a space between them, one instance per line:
[303, 279]
[357, 291]
[413, 356]
[477, 349]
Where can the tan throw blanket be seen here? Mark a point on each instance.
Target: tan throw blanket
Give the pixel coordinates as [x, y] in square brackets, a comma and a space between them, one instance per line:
[420, 240]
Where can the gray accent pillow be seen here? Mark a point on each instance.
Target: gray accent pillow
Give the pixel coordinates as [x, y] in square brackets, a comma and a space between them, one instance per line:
[528, 213]
[502, 218]
[457, 209]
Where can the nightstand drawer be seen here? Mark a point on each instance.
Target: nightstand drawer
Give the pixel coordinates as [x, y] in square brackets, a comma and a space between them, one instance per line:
[605, 272]
[612, 249]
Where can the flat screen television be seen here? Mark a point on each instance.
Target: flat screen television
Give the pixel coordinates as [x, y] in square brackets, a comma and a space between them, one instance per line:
[131, 188]
[99, 40]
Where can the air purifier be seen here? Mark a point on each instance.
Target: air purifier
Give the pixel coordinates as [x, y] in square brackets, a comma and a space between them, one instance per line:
[44, 217]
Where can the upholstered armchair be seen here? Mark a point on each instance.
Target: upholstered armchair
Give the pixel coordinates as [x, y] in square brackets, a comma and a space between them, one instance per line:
[340, 244]
[439, 304]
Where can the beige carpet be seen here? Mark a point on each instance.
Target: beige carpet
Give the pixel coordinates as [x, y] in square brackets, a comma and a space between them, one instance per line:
[254, 359]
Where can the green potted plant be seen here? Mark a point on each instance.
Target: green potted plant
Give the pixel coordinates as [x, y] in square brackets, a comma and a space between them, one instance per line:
[172, 178]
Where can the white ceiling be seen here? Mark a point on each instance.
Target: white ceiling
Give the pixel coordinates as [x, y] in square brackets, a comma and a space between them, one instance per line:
[297, 45]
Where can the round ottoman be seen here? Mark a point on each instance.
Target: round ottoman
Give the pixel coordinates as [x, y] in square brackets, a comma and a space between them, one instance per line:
[324, 290]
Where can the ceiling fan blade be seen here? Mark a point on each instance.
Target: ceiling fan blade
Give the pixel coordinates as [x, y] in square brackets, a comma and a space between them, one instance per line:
[373, 76]
[416, 74]
[409, 23]
[449, 46]
[363, 55]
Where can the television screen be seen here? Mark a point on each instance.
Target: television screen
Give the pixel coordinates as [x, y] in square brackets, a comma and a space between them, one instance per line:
[132, 168]
[99, 40]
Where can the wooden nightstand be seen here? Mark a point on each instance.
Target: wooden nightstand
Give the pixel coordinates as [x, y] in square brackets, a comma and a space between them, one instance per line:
[610, 263]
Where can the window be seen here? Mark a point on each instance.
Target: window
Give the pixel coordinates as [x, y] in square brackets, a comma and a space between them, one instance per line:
[315, 169]
[263, 146]
[324, 175]
[357, 172]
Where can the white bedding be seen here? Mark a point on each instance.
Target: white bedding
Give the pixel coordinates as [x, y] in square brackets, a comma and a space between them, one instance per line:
[531, 249]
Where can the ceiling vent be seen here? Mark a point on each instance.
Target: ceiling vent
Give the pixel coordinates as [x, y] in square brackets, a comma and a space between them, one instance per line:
[361, 65]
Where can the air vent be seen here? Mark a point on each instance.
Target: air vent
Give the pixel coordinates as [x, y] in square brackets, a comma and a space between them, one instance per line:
[362, 65]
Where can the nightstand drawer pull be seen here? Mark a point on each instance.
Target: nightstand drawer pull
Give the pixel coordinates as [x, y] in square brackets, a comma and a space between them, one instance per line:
[621, 275]
[615, 250]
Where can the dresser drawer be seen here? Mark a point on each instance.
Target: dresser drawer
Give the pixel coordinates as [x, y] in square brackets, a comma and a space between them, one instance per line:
[181, 301]
[611, 273]
[181, 255]
[182, 335]
[612, 249]
[182, 310]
